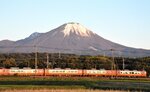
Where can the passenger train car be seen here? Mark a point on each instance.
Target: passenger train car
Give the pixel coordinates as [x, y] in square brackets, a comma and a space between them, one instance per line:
[71, 72]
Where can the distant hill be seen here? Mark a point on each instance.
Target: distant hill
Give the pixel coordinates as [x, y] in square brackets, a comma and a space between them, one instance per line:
[6, 42]
[70, 38]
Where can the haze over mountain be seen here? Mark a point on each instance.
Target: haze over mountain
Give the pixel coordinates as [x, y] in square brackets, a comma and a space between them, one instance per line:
[70, 38]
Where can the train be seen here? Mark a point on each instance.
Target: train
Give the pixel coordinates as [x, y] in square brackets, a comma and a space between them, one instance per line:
[71, 72]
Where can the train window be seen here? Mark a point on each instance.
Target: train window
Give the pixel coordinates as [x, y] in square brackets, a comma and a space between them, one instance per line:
[138, 73]
[131, 72]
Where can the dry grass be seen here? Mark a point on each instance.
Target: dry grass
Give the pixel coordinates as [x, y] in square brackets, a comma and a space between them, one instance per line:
[61, 90]
[71, 84]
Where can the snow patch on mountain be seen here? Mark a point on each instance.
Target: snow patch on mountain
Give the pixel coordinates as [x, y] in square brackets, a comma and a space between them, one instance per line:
[77, 29]
[92, 48]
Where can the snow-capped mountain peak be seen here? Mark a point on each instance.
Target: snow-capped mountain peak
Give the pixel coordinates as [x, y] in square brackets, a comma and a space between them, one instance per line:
[70, 38]
[77, 29]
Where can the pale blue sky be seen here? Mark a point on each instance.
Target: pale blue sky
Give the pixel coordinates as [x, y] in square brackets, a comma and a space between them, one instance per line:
[126, 22]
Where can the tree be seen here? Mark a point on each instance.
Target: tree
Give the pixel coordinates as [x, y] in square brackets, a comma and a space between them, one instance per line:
[9, 63]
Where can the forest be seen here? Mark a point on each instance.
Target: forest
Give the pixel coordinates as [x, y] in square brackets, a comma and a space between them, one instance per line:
[60, 60]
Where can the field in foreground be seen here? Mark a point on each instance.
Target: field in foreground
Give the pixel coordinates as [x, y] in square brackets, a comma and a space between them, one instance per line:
[62, 90]
[79, 84]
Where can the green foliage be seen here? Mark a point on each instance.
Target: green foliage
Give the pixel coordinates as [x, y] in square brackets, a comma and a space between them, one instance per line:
[60, 60]
[9, 63]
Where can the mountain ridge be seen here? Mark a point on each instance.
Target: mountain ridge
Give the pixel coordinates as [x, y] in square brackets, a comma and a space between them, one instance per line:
[73, 38]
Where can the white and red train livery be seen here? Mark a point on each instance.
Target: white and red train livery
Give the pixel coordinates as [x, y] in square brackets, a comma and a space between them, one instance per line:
[71, 72]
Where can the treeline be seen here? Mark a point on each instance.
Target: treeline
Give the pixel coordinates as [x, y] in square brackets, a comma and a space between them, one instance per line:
[59, 60]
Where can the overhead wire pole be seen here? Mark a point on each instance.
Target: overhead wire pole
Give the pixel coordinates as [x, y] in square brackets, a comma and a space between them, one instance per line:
[35, 59]
[47, 63]
[112, 64]
[121, 56]
[123, 65]
[122, 60]
[104, 54]
[52, 63]
[59, 55]
[116, 63]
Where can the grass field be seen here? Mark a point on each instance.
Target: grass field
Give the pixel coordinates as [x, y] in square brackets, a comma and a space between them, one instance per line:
[72, 83]
[62, 90]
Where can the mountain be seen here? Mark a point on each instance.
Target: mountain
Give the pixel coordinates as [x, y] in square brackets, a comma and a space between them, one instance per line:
[26, 40]
[5, 45]
[6, 42]
[72, 38]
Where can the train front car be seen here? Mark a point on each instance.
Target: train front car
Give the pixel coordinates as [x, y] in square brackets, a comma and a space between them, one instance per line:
[143, 73]
[63, 72]
[132, 73]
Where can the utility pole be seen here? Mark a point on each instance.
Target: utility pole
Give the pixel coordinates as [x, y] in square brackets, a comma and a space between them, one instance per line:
[112, 64]
[104, 54]
[59, 56]
[52, 61]
[35, 58]
[123, 65]
[47, 63]
[28, 63]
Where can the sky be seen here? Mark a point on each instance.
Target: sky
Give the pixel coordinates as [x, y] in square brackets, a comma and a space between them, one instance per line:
[126, 22]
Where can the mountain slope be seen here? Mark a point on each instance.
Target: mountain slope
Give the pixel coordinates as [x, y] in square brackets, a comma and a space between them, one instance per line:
[73, 38]
[6, 42]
